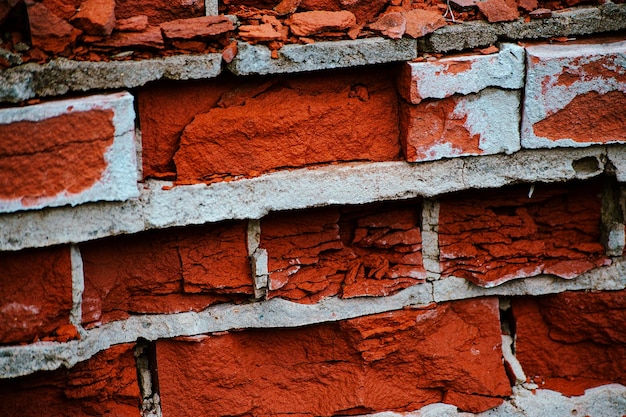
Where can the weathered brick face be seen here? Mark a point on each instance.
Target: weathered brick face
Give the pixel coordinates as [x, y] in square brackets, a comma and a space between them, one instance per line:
[287, 122]
[164, 272]
[35, 293]
[492, 237]
[103, 385]
[67, 152]
[572, 341]
[164, 110]
[351, 252]
[398, 361]
[575, 95]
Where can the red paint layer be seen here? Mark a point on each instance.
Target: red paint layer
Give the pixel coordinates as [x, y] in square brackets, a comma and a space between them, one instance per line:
[588, 118]
[490, 237]
[572, 341]
[159, 11]
[164, 272]
[104, 385]
[292, 122]
[40, 160]
[431, 124]
[35, 293]
[164, 111]
[351, 252]
[399, 361]
[586, 69]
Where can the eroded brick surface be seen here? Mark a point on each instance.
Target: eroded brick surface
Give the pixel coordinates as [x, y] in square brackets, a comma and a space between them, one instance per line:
[104, 385]
[292, 122]
[67, 152]
[351, 252]
[398, 361]
[35, 293]
[477, 124]
[572, 341]
[164, 111]
[164, 272]
[575, 95]
[490, 237]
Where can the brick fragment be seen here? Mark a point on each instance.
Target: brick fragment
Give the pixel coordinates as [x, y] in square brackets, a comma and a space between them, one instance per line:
[292, 122]
[495, 236]
[95, 17]
[498, 10]
[159, 11]
[314, 22]
[422, 22]
[364, 11]
[478, 124]
[67, 152]
[197, 27]
[575, 95]
[164, 272]
[35, 293]
[104, 385]
[351, 252]
[48, 31]
[572, 341]
[398, 361]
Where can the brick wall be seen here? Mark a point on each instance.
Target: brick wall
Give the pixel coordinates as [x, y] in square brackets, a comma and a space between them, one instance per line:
[313, 208]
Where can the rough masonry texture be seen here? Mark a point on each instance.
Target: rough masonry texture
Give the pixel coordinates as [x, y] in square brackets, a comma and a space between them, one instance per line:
[315, 208]
[67, 152]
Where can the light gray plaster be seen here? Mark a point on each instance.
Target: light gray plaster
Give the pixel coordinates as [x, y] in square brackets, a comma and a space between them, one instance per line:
[572, 22]
[61, 76]
[256, 59]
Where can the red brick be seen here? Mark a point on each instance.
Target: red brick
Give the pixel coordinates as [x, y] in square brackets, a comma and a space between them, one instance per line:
[365, 11]
[498, 10]
[461, 126]
[351, 252]
[314, 22]
[575, 94]
[164, 111]
[159, 11]
[293, 122]
[164, 272]
[52, 159]
[95, 17]
[104, 385]
[398, 361]
[572, 341]
[48, 31]
[35, 293]
[491, 237]
[67, 152]
[197, 27]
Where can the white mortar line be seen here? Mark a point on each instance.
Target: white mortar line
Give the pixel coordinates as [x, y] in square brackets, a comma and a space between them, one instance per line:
[351, 183]
[430, 238]
[278, 313]
[78, 287]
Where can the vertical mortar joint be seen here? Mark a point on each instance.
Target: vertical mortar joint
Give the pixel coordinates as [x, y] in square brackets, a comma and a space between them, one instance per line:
[145, 359]
[612, 227]
[507, 324]
[258, 259]
[430, 238]
[78, 287]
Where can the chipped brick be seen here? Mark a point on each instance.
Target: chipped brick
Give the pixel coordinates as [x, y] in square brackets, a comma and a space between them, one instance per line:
[366, 364]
